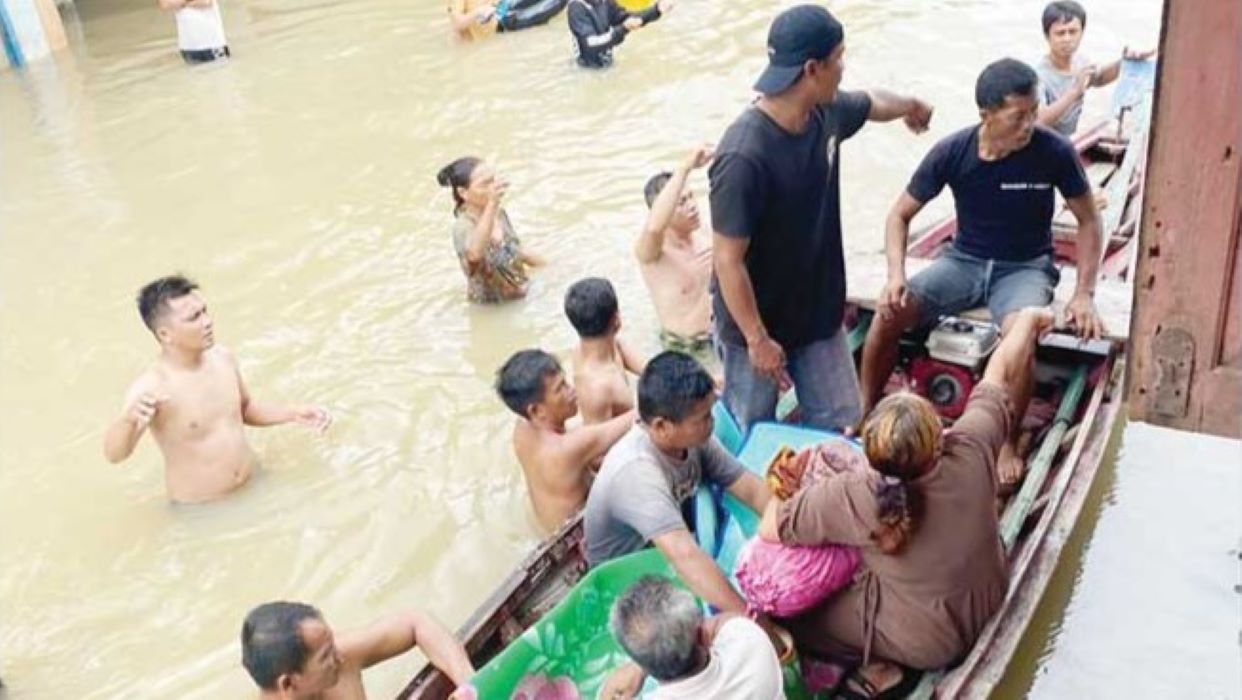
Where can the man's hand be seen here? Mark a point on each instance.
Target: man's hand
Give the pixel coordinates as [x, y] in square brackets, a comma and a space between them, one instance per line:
[918, 117]
[142, 409]
[1130, 54]
[484, 14]
[464, 692]
[1082, 315]
[894, 296]
[699, 157]
[665, 6]
[1083, 80]
[316, 418]
[768, 358]
[624, 682]
[632, 24]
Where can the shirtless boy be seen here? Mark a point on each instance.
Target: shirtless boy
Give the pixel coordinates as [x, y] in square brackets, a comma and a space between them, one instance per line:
[601, 359]
[676, 261]
[556, 461]
[194, 400]
[291, 652]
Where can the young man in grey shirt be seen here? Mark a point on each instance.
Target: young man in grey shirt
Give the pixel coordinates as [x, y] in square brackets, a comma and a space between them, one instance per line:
[1065, 74]
[654, 470]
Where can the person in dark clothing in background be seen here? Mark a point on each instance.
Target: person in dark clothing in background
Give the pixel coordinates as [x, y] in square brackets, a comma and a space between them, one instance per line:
[599, 25]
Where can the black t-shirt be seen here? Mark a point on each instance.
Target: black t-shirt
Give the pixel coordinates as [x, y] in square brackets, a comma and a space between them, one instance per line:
[1004, 207]
[781, 192]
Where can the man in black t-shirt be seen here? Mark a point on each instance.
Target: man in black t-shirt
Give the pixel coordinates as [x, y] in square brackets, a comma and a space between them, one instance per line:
[1002, 172]
[778, 284]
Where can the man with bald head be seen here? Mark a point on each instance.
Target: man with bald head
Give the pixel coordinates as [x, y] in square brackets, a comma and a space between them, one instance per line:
[194, 400]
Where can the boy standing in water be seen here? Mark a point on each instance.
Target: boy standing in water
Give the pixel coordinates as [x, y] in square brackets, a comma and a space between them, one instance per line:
[200, 31]
[601, 359]
[194, 400]
[1064, 74]
[675, 258]
[556, 461]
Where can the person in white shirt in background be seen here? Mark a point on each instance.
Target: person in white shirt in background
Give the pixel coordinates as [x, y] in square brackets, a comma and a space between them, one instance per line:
[662, 628]
[200, 30]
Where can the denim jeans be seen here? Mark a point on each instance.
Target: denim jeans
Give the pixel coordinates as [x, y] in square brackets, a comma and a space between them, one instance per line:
[824, 378]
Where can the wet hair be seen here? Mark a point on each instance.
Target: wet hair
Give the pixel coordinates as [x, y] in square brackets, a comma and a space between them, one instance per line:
[1001, 79]
[658, 624]
[520, 380]
[271, 640]
[672, 384]
[457, 174]
[591, 305]
[655, 186]
[1063, 11]
[154, 297]
[902, 440]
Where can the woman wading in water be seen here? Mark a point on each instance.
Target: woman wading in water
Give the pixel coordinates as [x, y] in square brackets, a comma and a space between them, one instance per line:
[490, 253]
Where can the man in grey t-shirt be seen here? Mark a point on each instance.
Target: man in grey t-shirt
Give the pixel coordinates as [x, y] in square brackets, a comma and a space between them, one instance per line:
[653, 470]
[1064, 74]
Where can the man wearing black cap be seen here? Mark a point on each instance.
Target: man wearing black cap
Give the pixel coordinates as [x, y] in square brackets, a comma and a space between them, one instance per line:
[778, 288]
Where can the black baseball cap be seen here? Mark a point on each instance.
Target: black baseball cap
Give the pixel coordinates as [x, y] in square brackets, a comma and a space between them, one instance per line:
[800, 34]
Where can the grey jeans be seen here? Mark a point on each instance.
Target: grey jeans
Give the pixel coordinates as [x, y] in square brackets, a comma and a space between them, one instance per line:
[824, 378]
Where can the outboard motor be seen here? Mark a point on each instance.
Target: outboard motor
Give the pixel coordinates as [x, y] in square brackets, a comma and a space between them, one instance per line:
[957, 351]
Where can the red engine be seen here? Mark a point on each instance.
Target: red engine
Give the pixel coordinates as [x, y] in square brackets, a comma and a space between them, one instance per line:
[946, 385]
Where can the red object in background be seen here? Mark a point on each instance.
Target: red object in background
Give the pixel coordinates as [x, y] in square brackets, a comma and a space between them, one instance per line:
[946, 386]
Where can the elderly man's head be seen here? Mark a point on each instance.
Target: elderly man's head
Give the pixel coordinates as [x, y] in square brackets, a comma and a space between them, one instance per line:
[658, 625]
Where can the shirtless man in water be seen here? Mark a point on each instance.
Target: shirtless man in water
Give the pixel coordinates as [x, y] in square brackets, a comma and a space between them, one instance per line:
[675, 257]
[292, 653]
[194, 400]
[602, 361]
[556, 461]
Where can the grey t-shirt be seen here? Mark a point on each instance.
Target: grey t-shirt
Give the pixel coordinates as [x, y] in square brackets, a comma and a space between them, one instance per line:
[639, 491]
[1053, 84]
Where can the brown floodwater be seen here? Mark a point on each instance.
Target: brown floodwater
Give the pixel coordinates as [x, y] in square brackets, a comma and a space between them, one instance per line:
[296, 184]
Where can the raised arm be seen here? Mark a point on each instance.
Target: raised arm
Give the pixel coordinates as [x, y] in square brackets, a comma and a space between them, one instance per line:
[1012, 358]
[395, 635]
[633, 361]
[887, 106]
[650, 244]
[590, 442]
[1082, 312]
[1052, 112]
[484, 228]
[141, 402]
[701, 575]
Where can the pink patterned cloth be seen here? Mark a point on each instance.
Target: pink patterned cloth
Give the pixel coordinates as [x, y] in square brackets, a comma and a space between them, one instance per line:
[784, 580]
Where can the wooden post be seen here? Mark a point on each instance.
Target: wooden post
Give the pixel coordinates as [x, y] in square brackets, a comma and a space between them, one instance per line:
[1186, 352]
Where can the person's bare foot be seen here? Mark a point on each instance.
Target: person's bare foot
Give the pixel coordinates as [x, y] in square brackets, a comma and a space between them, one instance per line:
[874, 679]
[1010, 468]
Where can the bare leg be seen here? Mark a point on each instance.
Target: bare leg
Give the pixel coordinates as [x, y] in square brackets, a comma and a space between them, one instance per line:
[1010, 466]
[879, 354]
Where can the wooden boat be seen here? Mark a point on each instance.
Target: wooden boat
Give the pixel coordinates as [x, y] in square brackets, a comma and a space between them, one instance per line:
[1079, 391]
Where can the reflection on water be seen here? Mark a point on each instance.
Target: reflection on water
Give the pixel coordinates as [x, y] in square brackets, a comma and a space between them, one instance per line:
[296, 183]
[1143, 603]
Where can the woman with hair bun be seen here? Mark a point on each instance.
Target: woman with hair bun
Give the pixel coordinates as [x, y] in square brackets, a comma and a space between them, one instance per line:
[491, 255]
[924, 519]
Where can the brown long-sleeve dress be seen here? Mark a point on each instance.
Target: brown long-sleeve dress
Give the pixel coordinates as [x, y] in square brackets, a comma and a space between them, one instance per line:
[925, 606]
